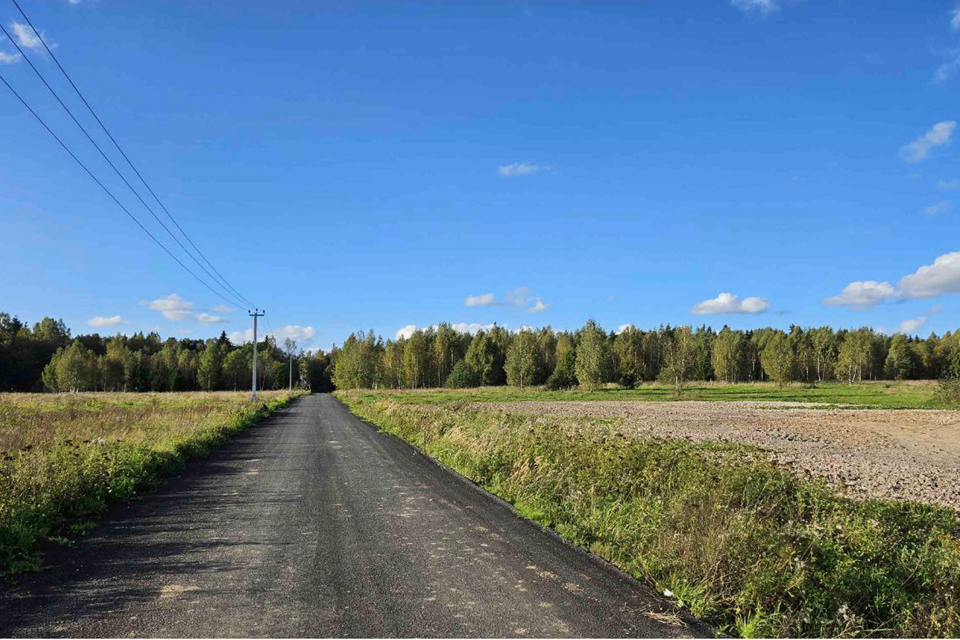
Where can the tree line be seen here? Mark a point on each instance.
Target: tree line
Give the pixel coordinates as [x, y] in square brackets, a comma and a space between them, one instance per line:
[47, 358]
[590, 356]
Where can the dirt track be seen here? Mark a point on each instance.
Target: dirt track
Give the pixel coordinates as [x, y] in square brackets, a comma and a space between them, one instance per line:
[906, 455]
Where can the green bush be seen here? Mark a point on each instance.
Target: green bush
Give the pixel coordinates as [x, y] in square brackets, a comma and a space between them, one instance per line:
[463, 376]
[948, 391]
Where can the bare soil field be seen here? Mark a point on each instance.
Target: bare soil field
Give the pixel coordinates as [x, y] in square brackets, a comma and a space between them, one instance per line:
[894, 454]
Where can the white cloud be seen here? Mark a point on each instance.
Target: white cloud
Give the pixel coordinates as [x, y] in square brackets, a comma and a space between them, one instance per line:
[206, 318]
[729, 303]
[240, 337]
[955, 18]
[945, 70]
[472, 328]
[222, 308]
[943, 276]
[294, 332]
[761, 6]
[935, 209]
[912, 325]
[483, 300]
[27, 38]
[861, 295]
[406, 331]
[100, 321]
[624, 327]
[521, 169]
[8, 58]
[172, 307]
[519, 297]
[918, 149]
[538, 307]
[949, 184]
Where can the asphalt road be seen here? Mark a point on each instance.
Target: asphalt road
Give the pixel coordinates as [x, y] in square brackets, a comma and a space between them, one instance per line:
[314, 524]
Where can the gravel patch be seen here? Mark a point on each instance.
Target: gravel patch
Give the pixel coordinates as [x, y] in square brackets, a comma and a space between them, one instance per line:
[891, 454]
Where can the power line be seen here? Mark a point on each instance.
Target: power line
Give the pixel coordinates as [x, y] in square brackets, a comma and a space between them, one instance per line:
[107, 191]
[112, 166]
[122, 153]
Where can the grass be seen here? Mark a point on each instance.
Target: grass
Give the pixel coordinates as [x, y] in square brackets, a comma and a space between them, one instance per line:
[871, 395]
[67, 457]
[742, 543]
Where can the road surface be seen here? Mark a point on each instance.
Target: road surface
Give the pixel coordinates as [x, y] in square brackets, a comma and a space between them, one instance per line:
[315, 524]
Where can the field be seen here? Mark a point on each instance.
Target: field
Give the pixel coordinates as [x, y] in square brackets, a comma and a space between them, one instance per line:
[66, 457]
[914, 394]
[726, 505]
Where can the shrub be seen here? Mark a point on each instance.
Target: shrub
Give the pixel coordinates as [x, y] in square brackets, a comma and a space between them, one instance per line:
[463, 376]
[948, 391]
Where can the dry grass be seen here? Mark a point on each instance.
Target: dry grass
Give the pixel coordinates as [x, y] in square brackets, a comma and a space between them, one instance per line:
[67, 456]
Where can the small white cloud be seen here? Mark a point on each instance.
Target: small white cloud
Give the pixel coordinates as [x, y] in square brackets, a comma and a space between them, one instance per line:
[729, 303]
[947, 69]
[8, 58]
[172, 307]
[936, 209]
[295, 332]
[861, 295]
[222, 308]
[943, 276]
[206, 318]
[483, 300]
[472, 327]
[911, 326]
[949, 185]
[538, 307]
[100, 321]
[241, 337]
[918, 149]
[27, 38]
[955, 18]
[521, 169]
[760, 6]
[406, 331]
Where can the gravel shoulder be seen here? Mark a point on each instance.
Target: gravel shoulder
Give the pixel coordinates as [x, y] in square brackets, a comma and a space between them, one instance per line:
[891, 454]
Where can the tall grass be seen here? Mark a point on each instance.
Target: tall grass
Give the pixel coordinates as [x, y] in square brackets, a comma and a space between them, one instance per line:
[68, 456]
[743, 544]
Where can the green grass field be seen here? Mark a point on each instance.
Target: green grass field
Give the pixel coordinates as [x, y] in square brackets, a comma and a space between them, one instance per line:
[869, 395]
[740, 542]
[66, 457]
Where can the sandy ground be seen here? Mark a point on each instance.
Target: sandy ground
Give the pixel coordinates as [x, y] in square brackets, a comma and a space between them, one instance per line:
[905, 455]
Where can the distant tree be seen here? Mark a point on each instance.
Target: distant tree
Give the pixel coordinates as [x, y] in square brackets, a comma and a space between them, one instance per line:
[463, 376]
[236, 370]
[901, 361]
[210, 369]
[679, 358]
[628, 347]
[593, 356]
[729, 355]
[416, 360]
[778, 358]
[564, 375]
[825, 346]
[524, 363]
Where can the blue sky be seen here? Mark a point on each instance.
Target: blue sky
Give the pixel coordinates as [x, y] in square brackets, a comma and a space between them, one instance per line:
[361, 164]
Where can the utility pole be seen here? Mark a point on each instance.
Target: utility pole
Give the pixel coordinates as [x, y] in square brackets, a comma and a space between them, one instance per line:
[256, 314]
[291, 370]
